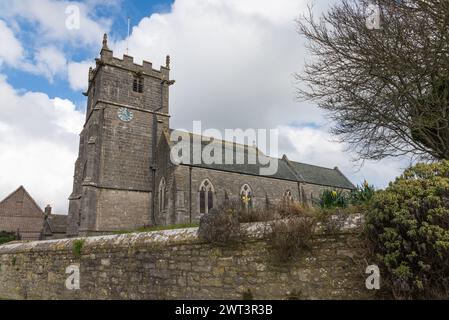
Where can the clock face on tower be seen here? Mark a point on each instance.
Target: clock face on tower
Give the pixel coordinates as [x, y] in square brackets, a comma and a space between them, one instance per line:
[125, 114]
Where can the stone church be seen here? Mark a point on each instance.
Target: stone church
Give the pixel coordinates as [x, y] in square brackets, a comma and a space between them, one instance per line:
[124, 175]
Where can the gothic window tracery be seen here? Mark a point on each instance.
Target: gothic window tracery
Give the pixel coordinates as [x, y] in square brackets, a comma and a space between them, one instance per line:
[206, 196]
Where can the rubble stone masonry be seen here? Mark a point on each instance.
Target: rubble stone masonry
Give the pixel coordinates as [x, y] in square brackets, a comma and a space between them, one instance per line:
[176, 264]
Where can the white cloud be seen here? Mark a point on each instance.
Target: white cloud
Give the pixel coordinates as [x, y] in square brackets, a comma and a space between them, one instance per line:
[49, 62]
[78, 74]
[316, 146]
[50, 18]
[67, 117]
[50, 32]
[233, 62]
[38, 145]
[11, 50]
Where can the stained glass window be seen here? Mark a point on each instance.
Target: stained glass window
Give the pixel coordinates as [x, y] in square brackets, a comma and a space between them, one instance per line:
[246, 197]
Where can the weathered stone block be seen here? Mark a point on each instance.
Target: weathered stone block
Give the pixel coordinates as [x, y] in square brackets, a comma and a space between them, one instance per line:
[149, 266]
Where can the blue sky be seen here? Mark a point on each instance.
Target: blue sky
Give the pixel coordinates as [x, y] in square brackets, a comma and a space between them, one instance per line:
[118, 14]
[233, 62]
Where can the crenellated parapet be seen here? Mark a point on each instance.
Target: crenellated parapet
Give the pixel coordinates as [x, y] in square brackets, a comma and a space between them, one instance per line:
[127, 63]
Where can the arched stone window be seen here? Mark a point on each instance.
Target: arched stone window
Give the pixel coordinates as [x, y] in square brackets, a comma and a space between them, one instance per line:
[246, 195]
[162, 195]
[288, 198]
[206, 197]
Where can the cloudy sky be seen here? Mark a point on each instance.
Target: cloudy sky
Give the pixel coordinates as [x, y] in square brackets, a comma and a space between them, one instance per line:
[232, 60]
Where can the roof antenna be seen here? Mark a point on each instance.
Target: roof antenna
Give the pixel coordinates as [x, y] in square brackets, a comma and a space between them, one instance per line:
[127, 40]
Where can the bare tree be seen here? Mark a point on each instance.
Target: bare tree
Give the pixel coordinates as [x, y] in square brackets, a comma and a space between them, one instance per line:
[386, 89]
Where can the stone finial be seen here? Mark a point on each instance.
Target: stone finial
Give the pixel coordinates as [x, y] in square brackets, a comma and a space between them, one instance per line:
[91, 74]
[167, 62]
[47, 210]
[105, 41]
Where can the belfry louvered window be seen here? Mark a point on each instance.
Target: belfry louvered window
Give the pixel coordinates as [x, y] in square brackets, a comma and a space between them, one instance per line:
[138, 84]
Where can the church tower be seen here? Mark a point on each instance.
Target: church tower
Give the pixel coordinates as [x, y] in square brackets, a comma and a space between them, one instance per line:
[127, 110]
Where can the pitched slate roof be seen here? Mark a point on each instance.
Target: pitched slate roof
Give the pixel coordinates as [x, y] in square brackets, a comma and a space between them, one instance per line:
[287, 170]
[57, 223]
[322, 176]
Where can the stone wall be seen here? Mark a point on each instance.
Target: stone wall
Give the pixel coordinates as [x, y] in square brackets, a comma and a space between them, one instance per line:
[230, 183]
[131, 210]
[177, 265]
[20, 214]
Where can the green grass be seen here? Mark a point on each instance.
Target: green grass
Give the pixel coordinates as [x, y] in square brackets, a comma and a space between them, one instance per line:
[159, 228]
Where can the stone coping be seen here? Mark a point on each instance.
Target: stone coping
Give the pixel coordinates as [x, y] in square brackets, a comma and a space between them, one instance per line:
[252, 231]
[166, 237]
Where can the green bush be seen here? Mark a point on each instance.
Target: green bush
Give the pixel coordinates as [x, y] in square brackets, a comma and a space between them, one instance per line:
[363, 194]
[408, 231]
[333, 199]
[78, 247]
[6, 237]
